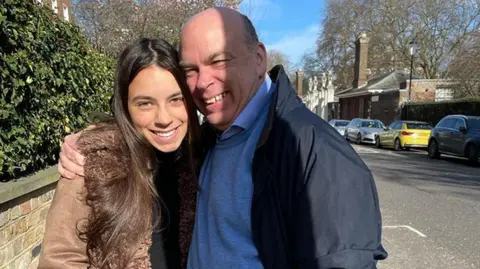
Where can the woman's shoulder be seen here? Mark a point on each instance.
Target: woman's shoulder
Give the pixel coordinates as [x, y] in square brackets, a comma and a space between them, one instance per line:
[105, 150]
[105, 136]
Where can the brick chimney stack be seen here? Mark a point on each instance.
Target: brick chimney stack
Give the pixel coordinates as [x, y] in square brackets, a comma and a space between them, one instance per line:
[361, 61]
[299, 82]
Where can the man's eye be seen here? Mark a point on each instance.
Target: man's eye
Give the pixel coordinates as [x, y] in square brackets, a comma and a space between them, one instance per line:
[219, 62]
[189, 73]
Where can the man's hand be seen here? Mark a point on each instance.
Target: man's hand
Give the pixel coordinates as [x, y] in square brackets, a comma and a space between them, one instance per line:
[71, 160]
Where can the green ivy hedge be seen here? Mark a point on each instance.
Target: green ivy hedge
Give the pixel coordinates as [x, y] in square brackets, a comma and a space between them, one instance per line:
[434, 112]
[50, 79]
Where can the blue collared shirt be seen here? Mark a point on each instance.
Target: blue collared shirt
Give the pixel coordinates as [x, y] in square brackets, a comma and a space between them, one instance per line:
[222, 235]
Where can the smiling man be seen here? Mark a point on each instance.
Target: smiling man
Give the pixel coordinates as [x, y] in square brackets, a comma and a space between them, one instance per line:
[279, 188]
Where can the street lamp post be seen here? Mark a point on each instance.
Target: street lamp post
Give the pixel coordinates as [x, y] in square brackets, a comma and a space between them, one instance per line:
[413, 51]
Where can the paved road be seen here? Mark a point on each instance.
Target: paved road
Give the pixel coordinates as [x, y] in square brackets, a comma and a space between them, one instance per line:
[430, 209]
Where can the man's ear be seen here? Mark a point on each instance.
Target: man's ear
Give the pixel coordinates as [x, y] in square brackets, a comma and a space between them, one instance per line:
[261, 59]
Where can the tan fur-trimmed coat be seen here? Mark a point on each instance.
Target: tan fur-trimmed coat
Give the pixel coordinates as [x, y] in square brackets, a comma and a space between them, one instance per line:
[105, 152]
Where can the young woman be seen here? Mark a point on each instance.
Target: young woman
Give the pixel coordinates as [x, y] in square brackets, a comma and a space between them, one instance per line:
[107, 218]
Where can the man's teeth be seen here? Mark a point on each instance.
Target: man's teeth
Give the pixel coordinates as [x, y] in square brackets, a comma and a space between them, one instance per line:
[215, 98]
[167, 134]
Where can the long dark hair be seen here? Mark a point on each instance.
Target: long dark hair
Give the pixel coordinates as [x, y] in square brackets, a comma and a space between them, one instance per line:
[113, 223]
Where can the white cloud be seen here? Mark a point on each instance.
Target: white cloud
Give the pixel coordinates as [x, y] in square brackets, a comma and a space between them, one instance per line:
[294, 45]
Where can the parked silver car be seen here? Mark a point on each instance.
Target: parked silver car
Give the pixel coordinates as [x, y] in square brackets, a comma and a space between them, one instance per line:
[363, 130]
[339, 125]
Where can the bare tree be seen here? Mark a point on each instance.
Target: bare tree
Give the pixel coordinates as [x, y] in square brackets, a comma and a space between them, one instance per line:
[465, 68]
[439, 26]
[275, 57]
[111, 24]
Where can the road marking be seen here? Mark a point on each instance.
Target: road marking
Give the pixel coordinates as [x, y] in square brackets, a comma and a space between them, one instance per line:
[407, 227]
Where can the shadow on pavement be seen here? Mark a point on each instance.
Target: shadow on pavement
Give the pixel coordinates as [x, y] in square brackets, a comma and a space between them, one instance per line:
[416, 169]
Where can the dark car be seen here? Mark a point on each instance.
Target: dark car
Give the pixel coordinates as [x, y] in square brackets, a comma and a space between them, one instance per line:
[456, 135]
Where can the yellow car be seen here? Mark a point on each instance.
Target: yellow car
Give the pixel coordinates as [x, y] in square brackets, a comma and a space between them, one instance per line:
[404, 135]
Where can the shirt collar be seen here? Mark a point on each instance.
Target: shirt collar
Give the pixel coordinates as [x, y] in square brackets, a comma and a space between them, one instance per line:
[248, 115]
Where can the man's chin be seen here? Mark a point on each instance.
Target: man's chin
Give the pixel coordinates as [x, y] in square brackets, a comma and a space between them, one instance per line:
[219, 121]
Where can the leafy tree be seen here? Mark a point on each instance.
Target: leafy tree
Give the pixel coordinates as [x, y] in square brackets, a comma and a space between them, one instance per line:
[51, 78]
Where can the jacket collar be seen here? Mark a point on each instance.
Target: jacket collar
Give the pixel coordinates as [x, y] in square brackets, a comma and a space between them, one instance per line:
[283, 100]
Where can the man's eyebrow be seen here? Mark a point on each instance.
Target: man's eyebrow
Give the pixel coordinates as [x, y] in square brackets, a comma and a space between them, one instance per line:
[210, 58]
[186, 65]
[215, 55]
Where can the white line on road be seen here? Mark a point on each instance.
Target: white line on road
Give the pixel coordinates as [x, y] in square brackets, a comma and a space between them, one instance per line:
[407, 227]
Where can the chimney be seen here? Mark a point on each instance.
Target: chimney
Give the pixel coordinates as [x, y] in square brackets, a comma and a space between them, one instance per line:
[361, 59]
[299, 82]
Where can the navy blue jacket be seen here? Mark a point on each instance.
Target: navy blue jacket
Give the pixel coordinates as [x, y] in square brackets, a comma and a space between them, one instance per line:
[315, 203]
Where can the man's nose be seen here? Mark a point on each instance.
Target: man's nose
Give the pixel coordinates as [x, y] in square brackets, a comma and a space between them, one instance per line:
[205, 79]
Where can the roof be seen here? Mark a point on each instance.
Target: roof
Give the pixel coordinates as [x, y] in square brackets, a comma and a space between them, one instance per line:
[412, 121]
[467, 117]
[382, 82]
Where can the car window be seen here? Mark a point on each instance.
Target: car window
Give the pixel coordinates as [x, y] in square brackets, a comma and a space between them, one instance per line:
[459, 123]
[419, 125]
[341, 123]
[392, 125]
[371, 124]
[473, 124]
[447, 123]
[395, 125]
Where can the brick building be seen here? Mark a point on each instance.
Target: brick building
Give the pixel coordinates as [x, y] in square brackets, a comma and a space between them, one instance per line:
[381, 97]
[59, 7]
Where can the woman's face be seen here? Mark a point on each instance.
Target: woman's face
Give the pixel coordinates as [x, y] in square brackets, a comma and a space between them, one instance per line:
[156, 108]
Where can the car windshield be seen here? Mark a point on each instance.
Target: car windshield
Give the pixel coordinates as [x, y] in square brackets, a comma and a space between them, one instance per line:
[371, 124]
[473, 124]
[419, 125]
[341, 123]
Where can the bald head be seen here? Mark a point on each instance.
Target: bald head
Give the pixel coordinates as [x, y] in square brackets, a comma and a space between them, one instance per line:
[230, 20]
[224, 63]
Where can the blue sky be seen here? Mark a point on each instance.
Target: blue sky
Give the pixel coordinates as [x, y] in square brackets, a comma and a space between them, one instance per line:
[290, 26]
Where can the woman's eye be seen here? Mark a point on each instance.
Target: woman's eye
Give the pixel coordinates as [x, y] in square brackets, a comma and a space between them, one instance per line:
[177, 100]
[144, 104]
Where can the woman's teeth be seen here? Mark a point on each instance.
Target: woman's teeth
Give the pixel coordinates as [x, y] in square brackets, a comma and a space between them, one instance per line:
[215, 98]
[167, 134]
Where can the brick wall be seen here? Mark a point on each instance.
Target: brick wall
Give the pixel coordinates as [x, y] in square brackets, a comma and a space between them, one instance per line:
[22, 226]
[386, 107]
[422, 89]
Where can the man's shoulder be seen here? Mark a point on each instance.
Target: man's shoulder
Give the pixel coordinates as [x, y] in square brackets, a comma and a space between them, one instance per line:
[301, 120]
[308, 134]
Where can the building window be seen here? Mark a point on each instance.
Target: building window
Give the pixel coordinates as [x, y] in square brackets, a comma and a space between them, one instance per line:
[65, 13]
[55, 6]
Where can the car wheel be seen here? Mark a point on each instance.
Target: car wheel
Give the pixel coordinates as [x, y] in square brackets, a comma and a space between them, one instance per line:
[359, 139]
[377, 142]
[398, 145]
[472, 154]
[433, 149]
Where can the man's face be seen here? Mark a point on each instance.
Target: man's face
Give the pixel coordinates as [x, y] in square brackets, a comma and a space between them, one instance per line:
[222, 72]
